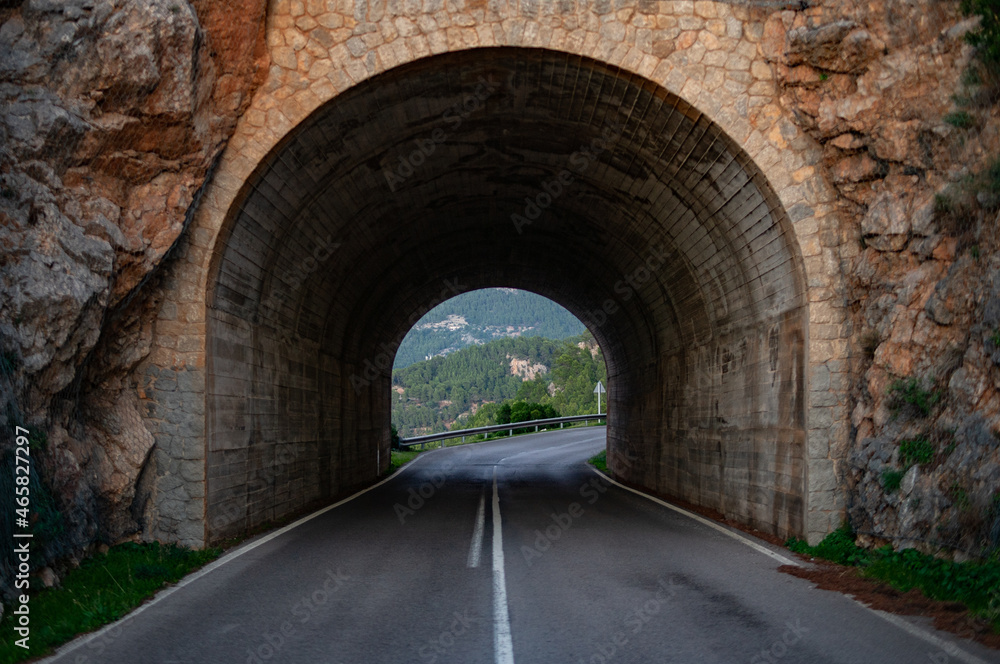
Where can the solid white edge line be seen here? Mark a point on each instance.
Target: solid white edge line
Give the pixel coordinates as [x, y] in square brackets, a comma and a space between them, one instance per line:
[503, 647]
[226, 558]
[476, 546]
[707, 522]
[910, 628]
[914, 630]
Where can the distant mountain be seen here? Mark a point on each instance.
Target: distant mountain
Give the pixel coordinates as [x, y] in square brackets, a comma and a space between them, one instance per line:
[481, 316]
[465, 387]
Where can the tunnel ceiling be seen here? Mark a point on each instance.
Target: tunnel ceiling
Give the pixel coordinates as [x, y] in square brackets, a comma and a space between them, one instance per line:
[416, 177]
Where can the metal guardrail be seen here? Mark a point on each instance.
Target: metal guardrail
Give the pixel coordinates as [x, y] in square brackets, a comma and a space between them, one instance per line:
[462, 433]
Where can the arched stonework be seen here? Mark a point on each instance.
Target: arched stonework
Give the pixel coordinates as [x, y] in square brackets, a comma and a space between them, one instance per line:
[702, 54]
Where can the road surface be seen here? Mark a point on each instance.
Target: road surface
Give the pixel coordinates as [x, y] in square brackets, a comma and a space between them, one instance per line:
[502, 552]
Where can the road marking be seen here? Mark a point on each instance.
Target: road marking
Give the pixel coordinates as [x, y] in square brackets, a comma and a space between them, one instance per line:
[476, 547]
[207, 569]
[913, 630]
[708, 522]
[503, 647]
[247, 547]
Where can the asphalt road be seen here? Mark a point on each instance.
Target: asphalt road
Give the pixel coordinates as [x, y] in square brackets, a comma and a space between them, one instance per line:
[510, 551]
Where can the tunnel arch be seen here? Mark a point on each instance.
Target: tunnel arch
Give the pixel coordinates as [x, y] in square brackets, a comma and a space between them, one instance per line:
[650, 223]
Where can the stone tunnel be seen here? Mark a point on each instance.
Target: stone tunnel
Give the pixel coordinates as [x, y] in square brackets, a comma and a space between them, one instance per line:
[362, 189]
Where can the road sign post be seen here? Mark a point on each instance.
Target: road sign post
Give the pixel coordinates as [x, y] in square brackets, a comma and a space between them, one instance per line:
[599, 390]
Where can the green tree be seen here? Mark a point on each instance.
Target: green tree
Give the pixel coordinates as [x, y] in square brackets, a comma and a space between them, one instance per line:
[504, 413]
[575, 374]
[534, 390]
[480, 376]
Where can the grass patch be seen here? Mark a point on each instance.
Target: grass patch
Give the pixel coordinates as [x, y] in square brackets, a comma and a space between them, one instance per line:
[892, 479]
[399, 458]
[990, 185]
[910, 391]
[918, 451]
[960, 497]
[982, 76]
[960, 120]
[986, 36]
[103, 589]
[837, 547]
[599, 461]
[976, 584]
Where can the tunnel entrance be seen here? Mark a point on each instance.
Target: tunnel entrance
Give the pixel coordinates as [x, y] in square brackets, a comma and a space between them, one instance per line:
[523, 168]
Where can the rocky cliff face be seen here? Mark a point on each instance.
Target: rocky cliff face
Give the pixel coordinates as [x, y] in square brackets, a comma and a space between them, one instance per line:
[910, 137]
[112, 112]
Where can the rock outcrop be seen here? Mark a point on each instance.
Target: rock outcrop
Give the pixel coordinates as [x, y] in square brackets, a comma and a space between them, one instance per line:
[905, 143]
[112, 113]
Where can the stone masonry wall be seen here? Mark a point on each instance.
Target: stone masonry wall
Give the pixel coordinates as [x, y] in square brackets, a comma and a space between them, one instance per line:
[711, 54]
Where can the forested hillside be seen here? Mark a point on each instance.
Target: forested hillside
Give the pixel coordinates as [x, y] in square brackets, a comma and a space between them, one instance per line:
[465, 388]
[481, 316]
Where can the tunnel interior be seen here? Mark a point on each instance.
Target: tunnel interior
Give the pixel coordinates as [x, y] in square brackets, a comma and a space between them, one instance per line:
[520, 168]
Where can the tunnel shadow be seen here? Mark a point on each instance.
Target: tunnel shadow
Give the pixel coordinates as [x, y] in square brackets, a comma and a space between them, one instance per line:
[522, 168]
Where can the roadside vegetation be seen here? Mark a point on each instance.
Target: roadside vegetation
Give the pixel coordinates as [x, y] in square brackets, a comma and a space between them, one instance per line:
[476, 386]
[966, 207]
[976, 584]
[101, 590]
[599, 461]
[400, 458]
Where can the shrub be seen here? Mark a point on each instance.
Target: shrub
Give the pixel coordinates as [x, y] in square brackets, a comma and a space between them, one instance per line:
[960, 119]
[986, 38]
[838, 547]
[892, 479]
[960, 497]
[918, 451]
[910, 391]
